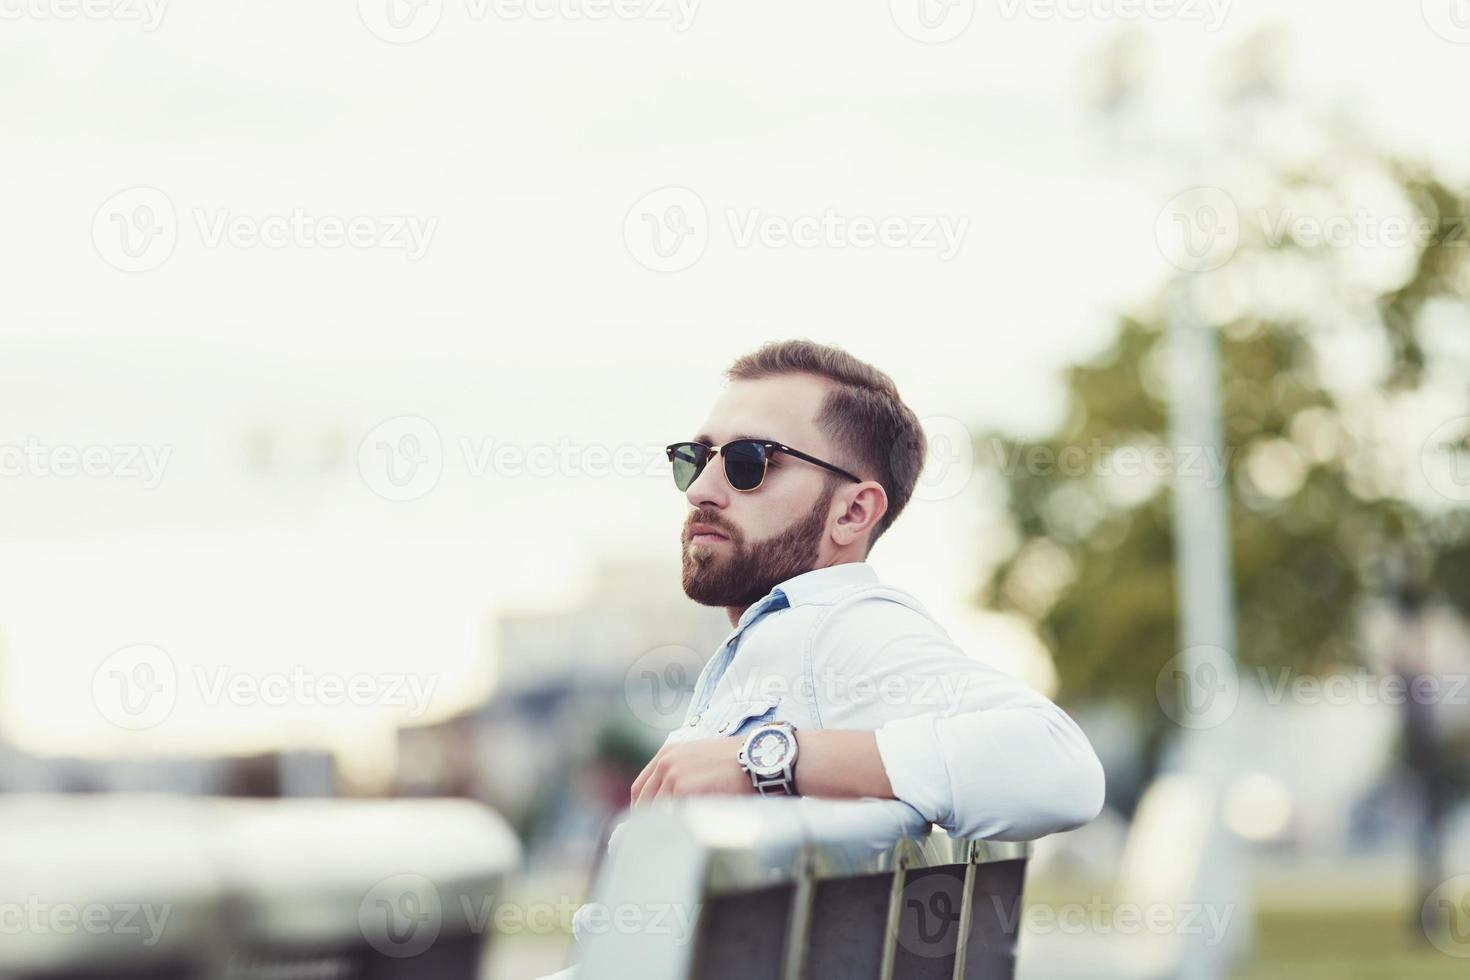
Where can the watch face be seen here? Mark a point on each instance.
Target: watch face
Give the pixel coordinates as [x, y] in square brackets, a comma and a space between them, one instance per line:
[770, 750]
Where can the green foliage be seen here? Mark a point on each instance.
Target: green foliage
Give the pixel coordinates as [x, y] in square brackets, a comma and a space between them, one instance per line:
[1321, 517]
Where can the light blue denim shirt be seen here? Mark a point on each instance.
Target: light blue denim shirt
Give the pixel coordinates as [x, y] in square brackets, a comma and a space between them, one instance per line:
[971, 748]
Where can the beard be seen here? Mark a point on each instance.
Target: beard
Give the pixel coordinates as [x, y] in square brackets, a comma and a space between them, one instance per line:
[747, 572]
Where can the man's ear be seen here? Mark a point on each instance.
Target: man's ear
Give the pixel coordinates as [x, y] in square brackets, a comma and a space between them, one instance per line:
[866, 504]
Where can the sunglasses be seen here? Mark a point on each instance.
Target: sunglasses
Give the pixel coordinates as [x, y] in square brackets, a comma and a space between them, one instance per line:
[745, 461]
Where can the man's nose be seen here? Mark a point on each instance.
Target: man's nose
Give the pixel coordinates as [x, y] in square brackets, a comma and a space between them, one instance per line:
[709, 489]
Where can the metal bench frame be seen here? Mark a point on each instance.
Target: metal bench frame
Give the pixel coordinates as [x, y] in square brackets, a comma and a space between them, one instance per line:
[823, 876]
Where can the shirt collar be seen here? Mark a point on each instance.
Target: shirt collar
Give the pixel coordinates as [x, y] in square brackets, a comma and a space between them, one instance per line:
[820, 584]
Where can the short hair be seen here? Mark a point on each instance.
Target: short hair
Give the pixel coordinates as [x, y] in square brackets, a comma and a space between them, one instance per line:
[862, 415]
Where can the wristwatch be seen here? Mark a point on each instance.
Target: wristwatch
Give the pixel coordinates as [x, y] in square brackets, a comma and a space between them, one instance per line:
[768, 757]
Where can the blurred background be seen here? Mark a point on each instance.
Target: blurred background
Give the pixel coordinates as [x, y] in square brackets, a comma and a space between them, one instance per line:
[339, 345]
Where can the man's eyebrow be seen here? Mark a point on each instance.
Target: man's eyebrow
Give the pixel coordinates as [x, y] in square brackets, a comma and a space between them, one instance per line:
[708, 440]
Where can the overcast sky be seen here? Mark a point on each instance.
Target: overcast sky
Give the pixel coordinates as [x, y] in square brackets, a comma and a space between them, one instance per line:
[493, 177]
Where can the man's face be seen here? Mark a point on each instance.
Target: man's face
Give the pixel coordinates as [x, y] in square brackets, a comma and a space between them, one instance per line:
[775, 531]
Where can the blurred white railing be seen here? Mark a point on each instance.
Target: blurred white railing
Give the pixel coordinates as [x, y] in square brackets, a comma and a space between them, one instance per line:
[173, 888]
[800, 889]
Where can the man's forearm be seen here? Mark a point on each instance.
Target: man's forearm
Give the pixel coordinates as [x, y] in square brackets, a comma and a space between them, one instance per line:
[840, 764]
[829, 763]
[1049, 780]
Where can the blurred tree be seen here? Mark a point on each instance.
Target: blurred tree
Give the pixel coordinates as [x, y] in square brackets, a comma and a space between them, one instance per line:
[1334, 347]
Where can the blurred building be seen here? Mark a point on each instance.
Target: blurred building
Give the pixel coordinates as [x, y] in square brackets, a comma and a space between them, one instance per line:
[268, 774]
[557, 743]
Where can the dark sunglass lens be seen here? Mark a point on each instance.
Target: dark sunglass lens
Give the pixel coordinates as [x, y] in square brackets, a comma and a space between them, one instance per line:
[688, 460]
[745, 464]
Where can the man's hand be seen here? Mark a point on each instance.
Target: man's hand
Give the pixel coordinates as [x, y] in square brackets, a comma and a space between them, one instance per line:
[700, 767]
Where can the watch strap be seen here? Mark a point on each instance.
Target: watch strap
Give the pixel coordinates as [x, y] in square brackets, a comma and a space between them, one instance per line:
[781, 784]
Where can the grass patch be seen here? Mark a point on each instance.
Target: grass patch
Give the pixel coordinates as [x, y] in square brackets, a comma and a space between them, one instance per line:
[1345, 944]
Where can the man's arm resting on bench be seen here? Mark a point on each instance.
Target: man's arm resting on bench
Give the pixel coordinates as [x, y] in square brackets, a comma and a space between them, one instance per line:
[840, 764]
[994, 759]
[1053, 783]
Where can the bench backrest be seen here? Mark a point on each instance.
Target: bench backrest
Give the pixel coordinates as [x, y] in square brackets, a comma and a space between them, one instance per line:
[802, 889]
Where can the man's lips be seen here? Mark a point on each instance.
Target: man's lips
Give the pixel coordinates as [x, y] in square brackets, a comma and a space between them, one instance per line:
[704, 534]
[707, 538]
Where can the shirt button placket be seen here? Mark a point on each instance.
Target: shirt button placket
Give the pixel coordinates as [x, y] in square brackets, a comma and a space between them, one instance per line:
[728, 653]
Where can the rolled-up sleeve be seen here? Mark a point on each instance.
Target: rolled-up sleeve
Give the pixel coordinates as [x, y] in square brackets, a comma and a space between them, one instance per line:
[971, 748]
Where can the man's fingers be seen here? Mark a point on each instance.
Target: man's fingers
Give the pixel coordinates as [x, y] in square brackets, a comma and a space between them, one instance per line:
[643, 776]
[646, 785]
[649, 790]
[638, 783]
